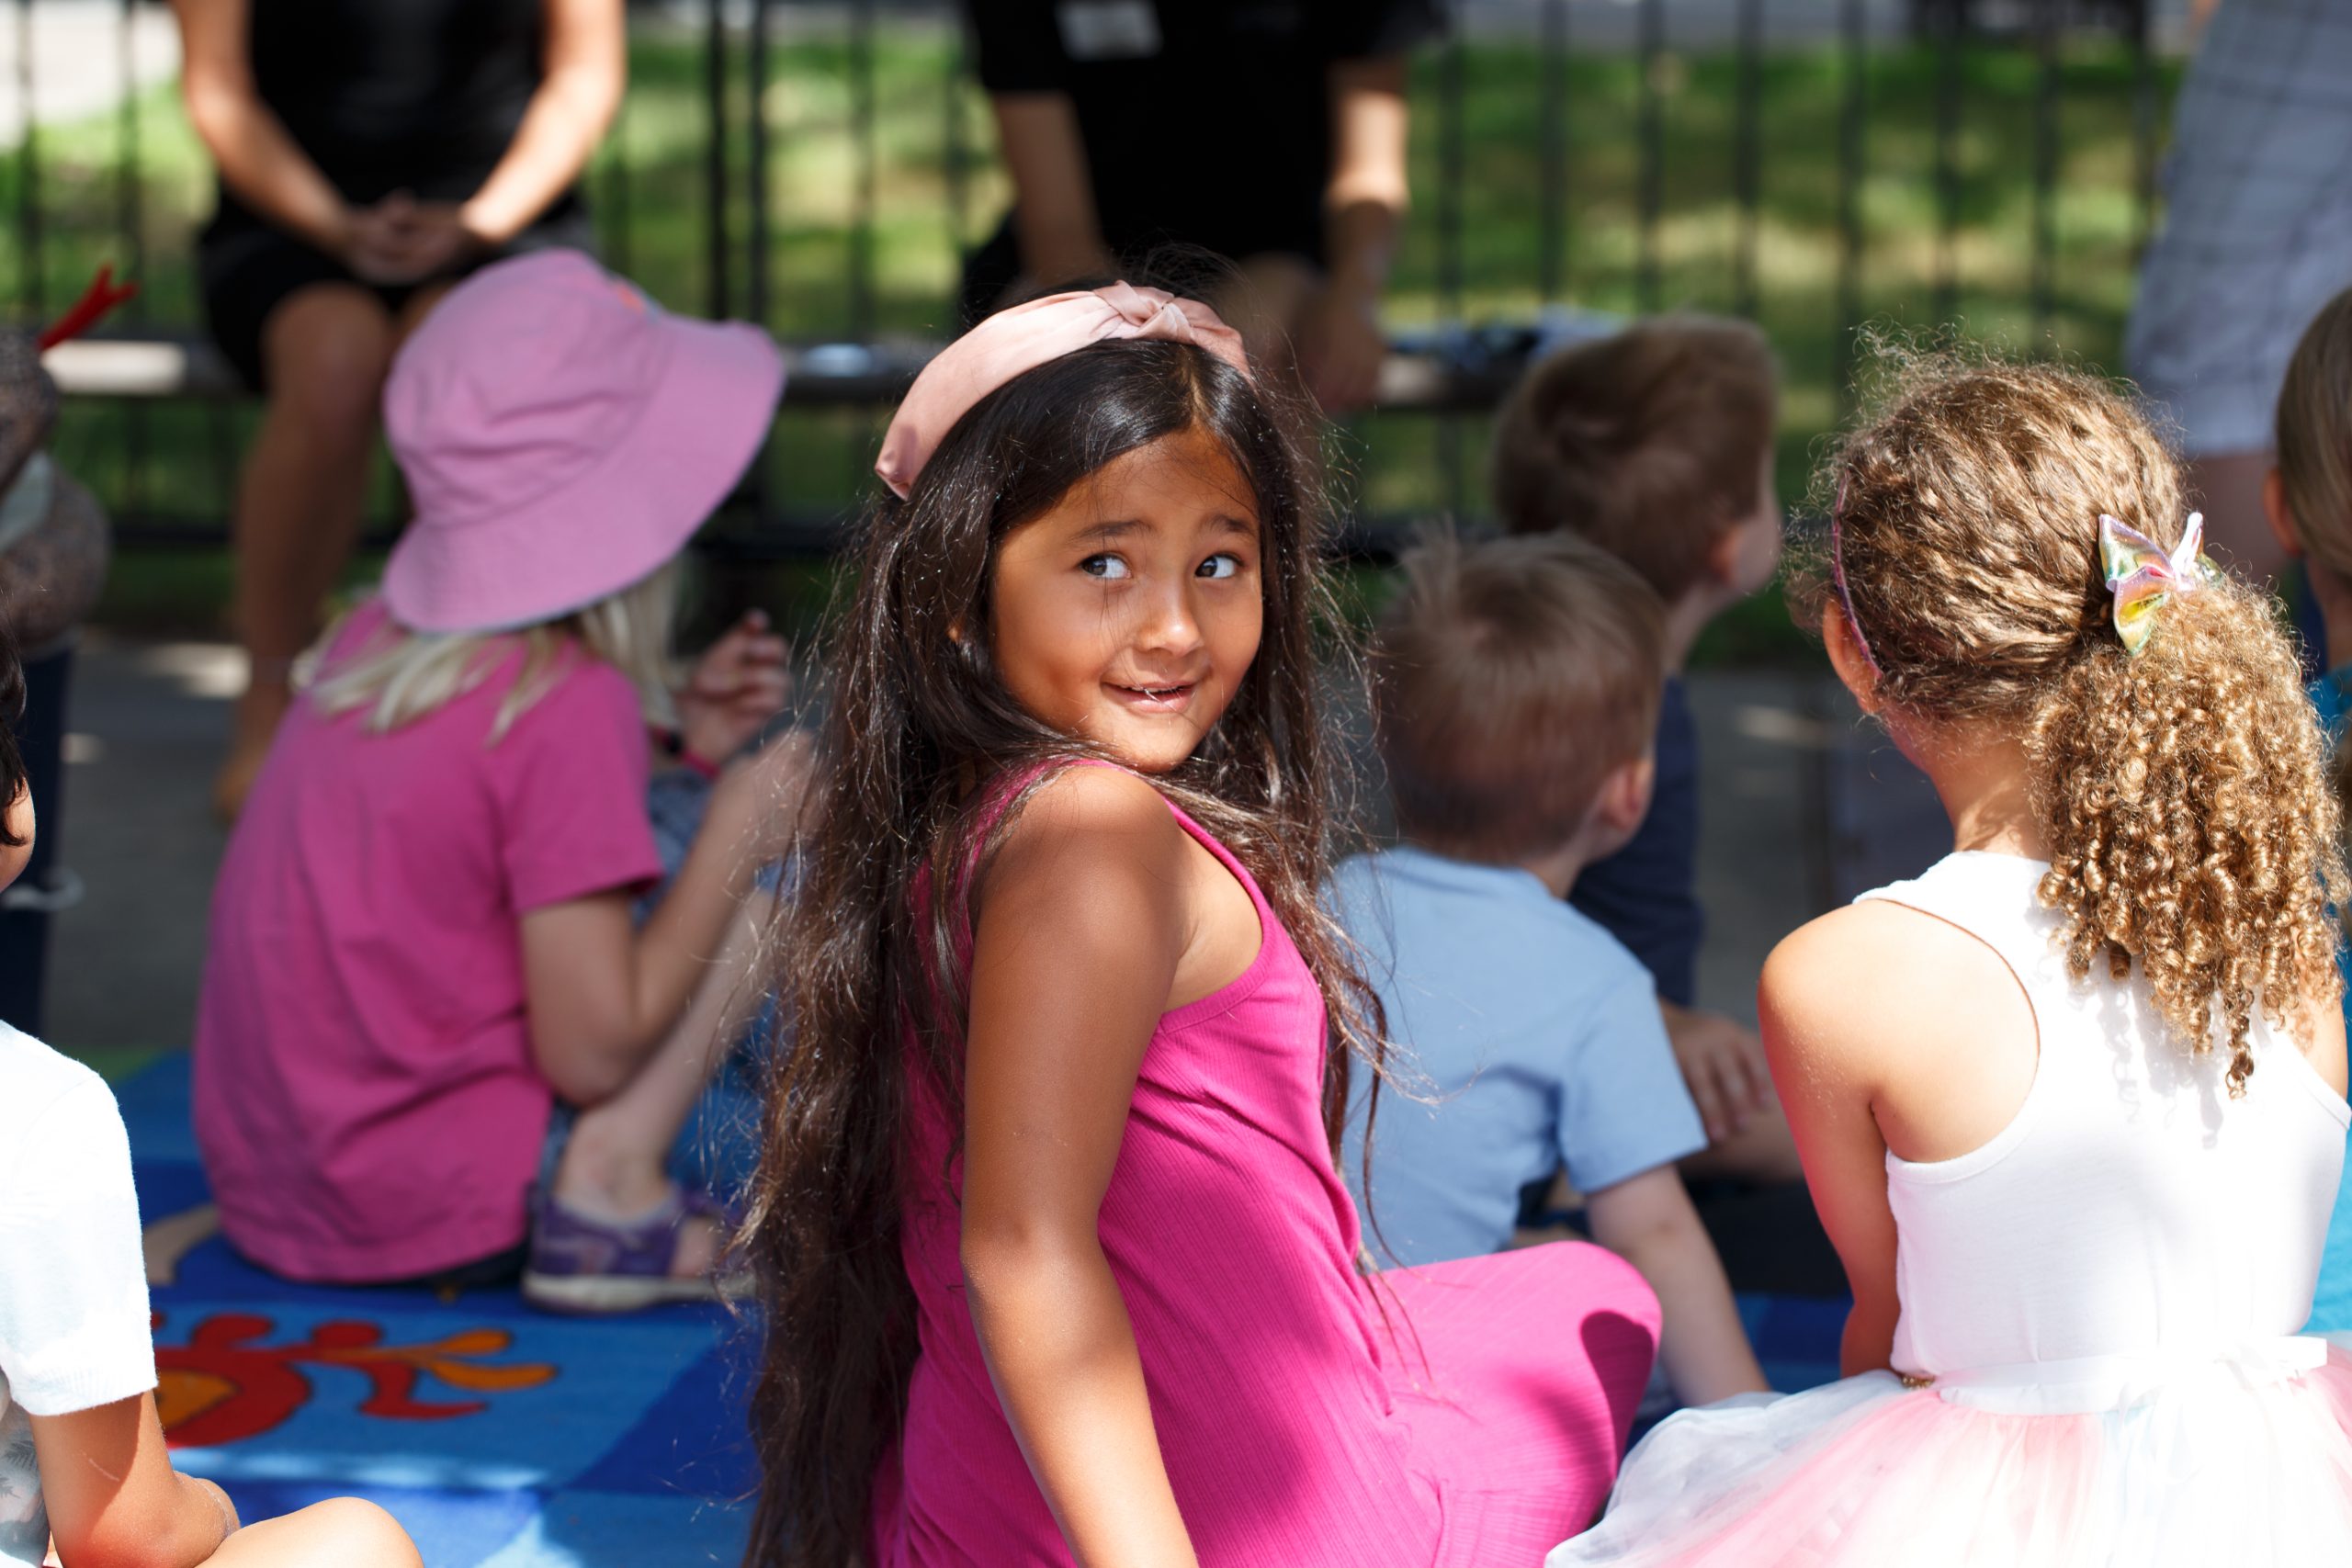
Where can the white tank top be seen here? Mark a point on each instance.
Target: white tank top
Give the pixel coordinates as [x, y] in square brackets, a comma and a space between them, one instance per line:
[2131, 1220]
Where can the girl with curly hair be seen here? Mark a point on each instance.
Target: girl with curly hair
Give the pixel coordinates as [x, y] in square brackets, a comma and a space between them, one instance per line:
[1057, 1263]
[2071, 1103]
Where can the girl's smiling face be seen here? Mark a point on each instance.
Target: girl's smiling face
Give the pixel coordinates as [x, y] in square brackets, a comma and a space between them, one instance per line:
[1127, 613]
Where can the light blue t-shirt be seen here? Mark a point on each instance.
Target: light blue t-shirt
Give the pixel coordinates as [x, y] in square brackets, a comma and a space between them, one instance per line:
[2332, 1301]
[1532, 1033]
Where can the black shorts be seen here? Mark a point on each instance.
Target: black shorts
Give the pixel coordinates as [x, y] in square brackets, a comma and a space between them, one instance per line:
[990, 269]
[248, 267]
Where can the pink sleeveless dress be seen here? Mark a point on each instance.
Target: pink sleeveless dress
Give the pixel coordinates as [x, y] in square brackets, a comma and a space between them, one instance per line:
[1468, 1413]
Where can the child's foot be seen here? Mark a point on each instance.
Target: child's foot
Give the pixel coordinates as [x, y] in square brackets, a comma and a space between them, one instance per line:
[587, 1262]
[174, 1237]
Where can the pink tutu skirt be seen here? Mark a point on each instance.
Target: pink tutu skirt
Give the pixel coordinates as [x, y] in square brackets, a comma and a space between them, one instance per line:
[2241, 1462]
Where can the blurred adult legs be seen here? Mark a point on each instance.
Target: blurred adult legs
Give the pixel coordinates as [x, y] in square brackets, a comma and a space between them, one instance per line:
[299, 504]
[328, 348]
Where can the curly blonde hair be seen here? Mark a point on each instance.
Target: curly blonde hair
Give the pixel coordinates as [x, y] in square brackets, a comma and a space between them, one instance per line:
[2182, 791]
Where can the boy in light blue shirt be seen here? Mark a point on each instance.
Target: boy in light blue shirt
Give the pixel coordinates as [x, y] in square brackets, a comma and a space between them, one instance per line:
[1517, 702]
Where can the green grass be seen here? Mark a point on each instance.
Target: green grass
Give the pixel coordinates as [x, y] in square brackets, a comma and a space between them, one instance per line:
[648, 186]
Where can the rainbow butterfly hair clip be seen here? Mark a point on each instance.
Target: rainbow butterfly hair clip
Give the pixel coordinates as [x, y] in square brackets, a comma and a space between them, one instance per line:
[2142, 574]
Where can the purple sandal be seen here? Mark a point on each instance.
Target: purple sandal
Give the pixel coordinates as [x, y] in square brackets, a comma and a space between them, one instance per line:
[581, 1264]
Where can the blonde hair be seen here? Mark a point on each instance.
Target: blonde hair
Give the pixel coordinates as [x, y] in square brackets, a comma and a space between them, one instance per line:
[1650, 443]
[2181, 790]
[1510, 677]
[400, 676]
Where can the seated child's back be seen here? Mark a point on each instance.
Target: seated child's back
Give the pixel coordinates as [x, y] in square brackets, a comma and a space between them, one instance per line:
[361, 1017]
[1656, 444]
[1535, 1033]
[1517, 703]
[421, 939]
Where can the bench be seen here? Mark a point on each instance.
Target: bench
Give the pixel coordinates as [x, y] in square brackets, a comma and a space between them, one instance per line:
[1429, 372]
[1439, 371]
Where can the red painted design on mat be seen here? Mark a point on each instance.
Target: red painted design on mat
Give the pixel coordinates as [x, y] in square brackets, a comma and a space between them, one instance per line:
[224, 1386]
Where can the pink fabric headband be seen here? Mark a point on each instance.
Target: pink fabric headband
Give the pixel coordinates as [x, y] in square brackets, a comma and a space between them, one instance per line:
[1019, 340]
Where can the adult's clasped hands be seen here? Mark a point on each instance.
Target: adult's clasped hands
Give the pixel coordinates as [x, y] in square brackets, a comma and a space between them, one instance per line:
[401, 240]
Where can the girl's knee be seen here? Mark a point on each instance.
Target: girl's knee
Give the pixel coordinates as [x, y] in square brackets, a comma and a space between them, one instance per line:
[350, 1532]
[1605, 1283]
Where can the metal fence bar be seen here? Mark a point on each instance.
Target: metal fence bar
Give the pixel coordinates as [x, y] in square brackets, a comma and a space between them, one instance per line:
[2143, 125]
[1551, 135]
[613, 201]
[867, 165]
[715, 86]
[2046, 133]
[757, 190]
[1853, 115]
[1651, 131]
[1452, 163]
[956, 149]
[1747, 162]
[1950, 60]
[129, 232]
[1452, 167]
[31, 283]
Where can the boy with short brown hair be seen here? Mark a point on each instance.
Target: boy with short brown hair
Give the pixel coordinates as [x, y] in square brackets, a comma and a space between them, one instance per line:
[1516, 696]
[1656, 444]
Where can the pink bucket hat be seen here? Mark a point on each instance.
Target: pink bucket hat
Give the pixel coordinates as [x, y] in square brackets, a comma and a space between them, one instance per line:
[563, 437]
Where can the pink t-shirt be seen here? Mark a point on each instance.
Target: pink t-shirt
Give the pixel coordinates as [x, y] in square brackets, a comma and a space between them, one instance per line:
[366, 1097]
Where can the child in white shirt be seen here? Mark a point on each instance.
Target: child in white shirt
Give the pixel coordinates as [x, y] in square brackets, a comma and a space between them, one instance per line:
[85, 1479]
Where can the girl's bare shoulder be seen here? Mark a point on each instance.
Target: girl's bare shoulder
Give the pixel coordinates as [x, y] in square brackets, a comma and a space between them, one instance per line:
[1083, 822]
[1858, 981]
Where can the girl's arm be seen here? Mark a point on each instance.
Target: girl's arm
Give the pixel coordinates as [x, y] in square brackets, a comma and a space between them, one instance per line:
[114, 1499]
[602, 994]
[585, 68]
[1816, 1013]
[258, 160]
[1080, 930]
[1888, 1029]
[1648, 1220]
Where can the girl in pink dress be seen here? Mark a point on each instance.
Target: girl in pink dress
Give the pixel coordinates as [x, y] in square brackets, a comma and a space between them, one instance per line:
[2071, 1101]
[1057, 1265]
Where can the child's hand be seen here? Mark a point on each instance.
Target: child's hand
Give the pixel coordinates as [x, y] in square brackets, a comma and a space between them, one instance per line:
[1723, 1066]
[737, 688]
[757, 802]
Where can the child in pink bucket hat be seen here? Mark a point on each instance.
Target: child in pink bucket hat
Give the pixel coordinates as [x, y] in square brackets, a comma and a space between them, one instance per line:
[432, 1045]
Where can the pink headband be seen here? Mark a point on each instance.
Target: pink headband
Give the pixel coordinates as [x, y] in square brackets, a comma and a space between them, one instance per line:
[1019, 340]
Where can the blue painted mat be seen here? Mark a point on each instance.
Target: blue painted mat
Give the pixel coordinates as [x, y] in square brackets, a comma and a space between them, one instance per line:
[500, 1437]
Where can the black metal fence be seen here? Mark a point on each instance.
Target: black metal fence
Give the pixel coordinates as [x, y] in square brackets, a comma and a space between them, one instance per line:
[816, 168]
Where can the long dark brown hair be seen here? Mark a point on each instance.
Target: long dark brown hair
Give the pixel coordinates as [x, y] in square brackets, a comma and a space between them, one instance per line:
[871, 956]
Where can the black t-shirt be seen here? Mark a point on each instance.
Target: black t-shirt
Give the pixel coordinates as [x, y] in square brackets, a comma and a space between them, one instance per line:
[422, 95]
[1206, 122]
[1646, 895]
